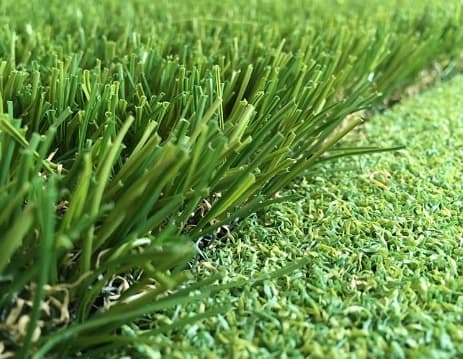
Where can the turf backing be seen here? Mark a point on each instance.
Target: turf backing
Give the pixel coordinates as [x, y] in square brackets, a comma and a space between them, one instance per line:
[384, 239]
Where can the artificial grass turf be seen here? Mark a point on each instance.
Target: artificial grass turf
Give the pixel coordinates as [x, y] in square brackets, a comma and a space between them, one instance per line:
[131, 130]
[384, 240]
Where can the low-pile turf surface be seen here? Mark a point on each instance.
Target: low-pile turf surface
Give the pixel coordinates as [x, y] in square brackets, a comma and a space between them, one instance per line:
[384, 240]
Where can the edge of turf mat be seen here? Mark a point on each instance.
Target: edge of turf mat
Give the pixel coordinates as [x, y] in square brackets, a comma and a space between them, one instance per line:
[385, 248]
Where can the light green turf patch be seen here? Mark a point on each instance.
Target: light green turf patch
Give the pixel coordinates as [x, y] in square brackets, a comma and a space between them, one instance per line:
[385, 243]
